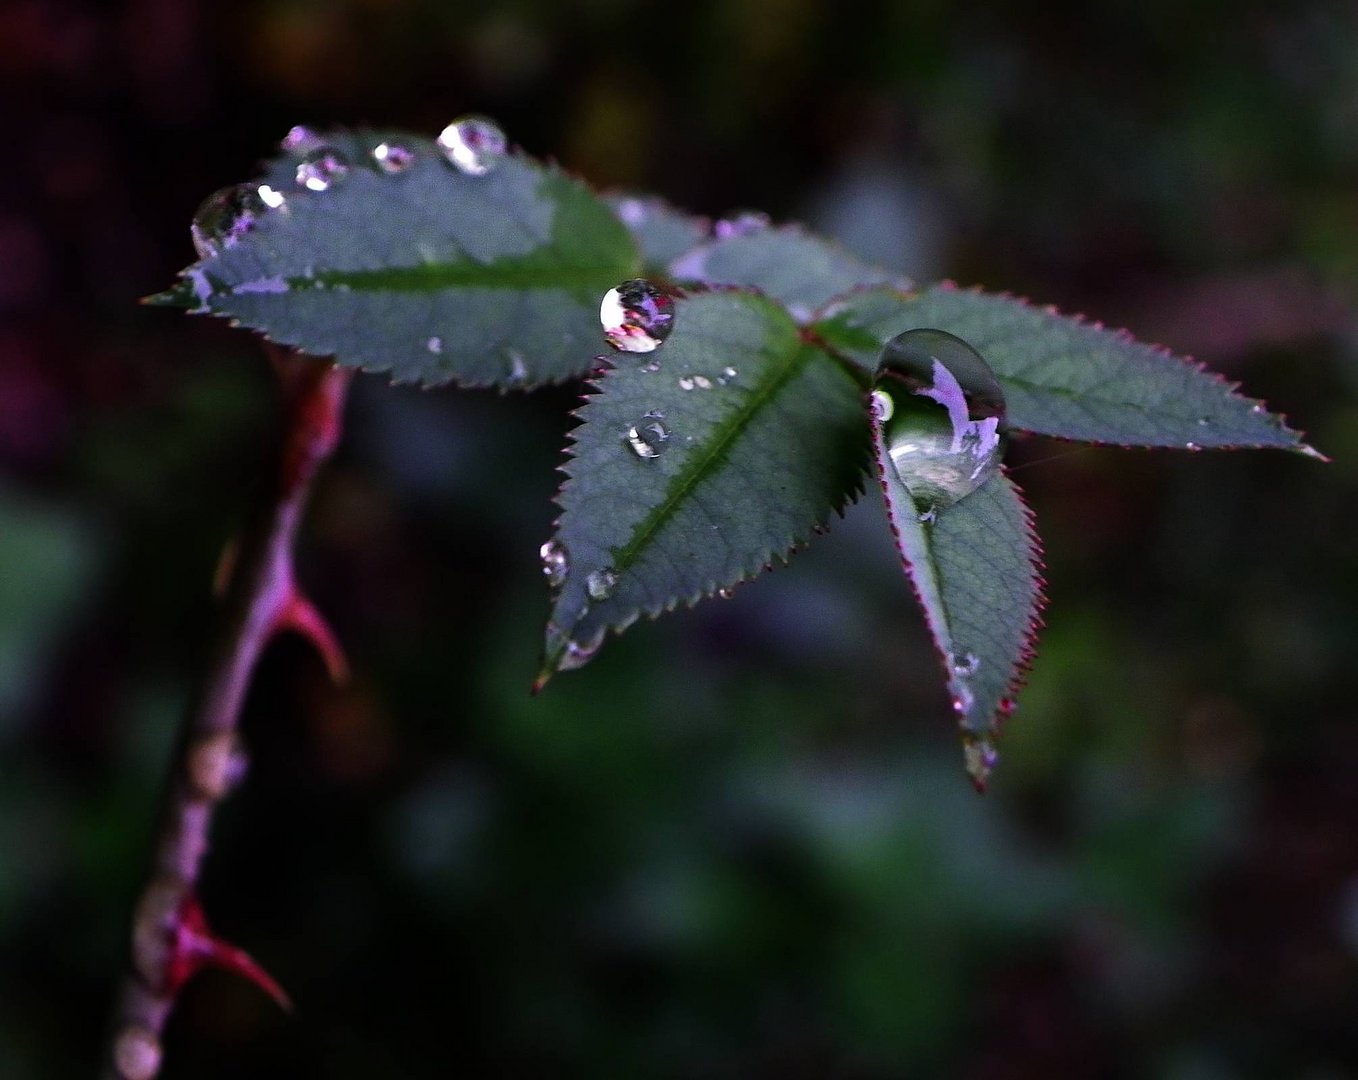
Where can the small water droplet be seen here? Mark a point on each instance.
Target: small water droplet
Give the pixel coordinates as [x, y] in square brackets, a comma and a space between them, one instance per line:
[556, 563]
[473, 145]
[980, 757]
[224, 217]
[963, 699]
[725, 594]
[579, 653]
[1258, 410]
[393, 157]
[600, 583]
[939, 406]
[965, 665]
[1204, 421]
[321, 169]
[636, 316]
[434, 344]
[299, 140]
[518, 368]
[695, 382]
[744, 223]
[651, 366]
[649, 437]
[728, 375]
[1192, 446]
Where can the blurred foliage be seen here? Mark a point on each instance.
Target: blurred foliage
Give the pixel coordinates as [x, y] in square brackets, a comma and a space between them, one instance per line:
[738, 844]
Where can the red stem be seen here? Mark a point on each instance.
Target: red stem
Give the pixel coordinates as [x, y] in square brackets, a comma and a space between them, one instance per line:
[170, 936]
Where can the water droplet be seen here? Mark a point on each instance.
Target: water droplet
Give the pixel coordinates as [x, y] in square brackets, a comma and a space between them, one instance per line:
[744, 223]
[649, 437]
[651, 366]
[321, 169]
[728, 375]
[224, 217]
[300, 139]
[600, 583]
[1192, 446]
[473, 144]
[980, 757]
[1204, 421]
[518, 368]
[579, 653]
[695, 382]
[963, 700]
[434, 345]
[636, 316]
[965, 665]
[393, 157]
[940, 408]
[725, 594]
[556, 563]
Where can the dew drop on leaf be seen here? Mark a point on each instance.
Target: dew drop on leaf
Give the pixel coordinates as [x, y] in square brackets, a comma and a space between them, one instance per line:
[300, 139]
[393, 157]
[321, 169]
[579, 653]
[940, 408]
[980, 757]
[965, 665]
[473, 145]
[272, 198]
[224, 217]
[600, 583]
[744, 223]
[556, 563]
[649, 437]
[434, 345]
[636, 316]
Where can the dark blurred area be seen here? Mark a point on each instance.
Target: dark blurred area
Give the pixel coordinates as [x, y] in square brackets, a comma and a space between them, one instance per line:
[740, 843]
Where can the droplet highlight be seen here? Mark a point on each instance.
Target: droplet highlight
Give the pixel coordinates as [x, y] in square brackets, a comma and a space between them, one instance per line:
[473, 145]
[636, 317]
[321, 169]
[939, 407]
[556, 563]
[649, 437]
[300, 139]
[601, 583]
[393, 158]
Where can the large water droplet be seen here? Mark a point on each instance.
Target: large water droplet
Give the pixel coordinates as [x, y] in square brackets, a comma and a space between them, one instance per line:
[649, 437]
[980, 757]
[636, 316]
[321, 169]
[393, 157]
[224, 217]
[473, 144]
[940, 408]
[965, 665]
[556, 563]
[600, 583]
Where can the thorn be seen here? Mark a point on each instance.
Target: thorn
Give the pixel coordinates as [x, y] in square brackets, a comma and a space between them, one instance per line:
[193, 946]
[300, 614]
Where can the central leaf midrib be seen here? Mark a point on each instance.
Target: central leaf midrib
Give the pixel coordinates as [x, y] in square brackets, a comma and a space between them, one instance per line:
[432, 277]
[714, 448]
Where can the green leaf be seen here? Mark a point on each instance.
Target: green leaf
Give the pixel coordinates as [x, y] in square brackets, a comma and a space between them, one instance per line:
[976, 567]
[803, 271]
[1065, 377]
[763, 438]
[661, 231]
[430, 274]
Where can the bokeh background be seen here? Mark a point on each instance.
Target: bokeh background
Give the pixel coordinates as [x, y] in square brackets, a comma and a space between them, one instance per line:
[740, 843]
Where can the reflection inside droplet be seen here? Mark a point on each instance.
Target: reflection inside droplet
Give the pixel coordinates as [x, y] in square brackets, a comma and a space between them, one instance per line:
[939, 407]
[224, 217]
[649, 436]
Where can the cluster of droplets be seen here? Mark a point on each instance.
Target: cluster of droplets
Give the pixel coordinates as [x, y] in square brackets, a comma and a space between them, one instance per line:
[636, 316]
[649, 437]
[321, 169]
[939, 408]
[556, 563]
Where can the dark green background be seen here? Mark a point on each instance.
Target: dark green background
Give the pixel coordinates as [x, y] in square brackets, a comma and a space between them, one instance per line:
[740, 844]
